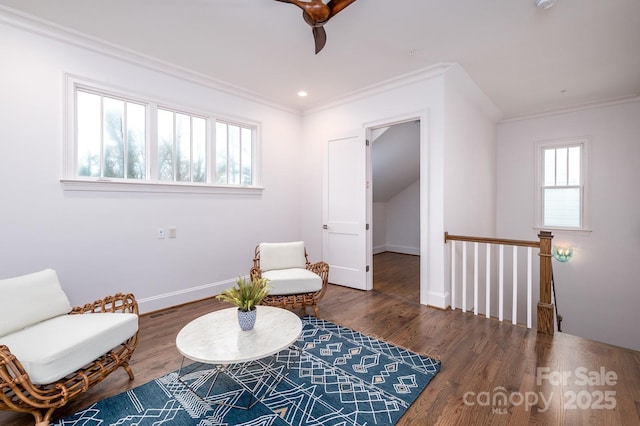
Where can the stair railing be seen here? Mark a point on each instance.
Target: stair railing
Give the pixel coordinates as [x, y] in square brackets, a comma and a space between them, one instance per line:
[545, 307]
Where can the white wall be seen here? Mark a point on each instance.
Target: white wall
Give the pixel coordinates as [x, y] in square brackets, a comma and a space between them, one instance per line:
[419, 97]
[101, 243]
[105, 242]
[470, 165]
[456, 118]
[470, 157]
[598, 289]
[403, 221]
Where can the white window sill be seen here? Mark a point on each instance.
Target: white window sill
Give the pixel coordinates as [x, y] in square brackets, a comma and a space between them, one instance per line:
[105, 185]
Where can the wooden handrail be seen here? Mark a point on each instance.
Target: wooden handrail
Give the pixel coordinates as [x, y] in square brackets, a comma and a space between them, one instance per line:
[545, 307]
[522, 243]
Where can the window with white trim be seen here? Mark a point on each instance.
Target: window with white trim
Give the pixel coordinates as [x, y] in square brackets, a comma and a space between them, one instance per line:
[111, 137]
[562, 181]
[234, 153]
[182, 147]
[115, 137]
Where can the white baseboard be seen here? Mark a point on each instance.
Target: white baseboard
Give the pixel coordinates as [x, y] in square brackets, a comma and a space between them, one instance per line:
[379, 249]
[437, 300]
[402, 249]
[174, 298]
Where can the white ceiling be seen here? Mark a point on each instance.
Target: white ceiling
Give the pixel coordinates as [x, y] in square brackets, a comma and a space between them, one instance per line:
[527, 60]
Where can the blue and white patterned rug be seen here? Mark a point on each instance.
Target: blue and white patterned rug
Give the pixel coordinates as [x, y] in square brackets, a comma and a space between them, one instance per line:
[342, 378]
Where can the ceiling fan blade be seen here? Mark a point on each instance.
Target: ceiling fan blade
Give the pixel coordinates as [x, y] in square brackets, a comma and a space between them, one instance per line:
[320, 37]
[316, 13]
[335, 6]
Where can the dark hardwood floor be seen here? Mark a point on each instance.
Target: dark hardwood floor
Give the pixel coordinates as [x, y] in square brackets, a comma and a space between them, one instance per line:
[483, 361]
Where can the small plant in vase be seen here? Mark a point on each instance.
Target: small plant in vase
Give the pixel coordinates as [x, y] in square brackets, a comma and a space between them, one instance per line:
[246, 295]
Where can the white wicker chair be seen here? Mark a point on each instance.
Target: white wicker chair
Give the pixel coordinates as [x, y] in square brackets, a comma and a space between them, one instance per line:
[294, 282]
[51, 352]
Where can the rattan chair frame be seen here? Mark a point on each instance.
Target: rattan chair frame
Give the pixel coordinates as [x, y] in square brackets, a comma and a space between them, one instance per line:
[20, 394]
[300, 300]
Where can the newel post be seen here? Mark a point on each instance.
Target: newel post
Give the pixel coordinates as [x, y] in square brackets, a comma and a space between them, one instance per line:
[545, 307]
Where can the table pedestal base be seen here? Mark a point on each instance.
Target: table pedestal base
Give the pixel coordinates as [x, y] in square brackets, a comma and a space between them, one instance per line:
[258, 378]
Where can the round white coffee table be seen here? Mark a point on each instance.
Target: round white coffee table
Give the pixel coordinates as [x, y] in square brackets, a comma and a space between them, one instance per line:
[216, 338]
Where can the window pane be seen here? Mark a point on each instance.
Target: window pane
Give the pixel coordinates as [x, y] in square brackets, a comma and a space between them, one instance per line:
[199, 149]
[113, 137]
[561, 167]
[183, 148]
[89, 122]
[246, 145]
[165, 145]
[562, 207]
[221, 153]
[549, 167]
[574, 165]
[234, 154]
[136, 141]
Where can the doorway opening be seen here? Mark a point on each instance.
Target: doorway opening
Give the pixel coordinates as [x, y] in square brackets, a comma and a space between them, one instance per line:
[394, 206]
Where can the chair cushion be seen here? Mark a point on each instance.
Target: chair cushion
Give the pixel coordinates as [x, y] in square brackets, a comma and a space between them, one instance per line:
[30, 299]
[282, 255]
[292, 281]
[53, 349]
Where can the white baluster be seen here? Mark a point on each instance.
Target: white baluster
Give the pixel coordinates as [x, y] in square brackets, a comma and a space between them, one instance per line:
[514, 308]
[487, 282]
[464, 276]
[475, 278]
[529, 288]
[464, 270]
[453, 274]
[501, 283]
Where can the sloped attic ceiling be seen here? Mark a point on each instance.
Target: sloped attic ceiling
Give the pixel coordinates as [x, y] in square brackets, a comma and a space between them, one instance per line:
[395, 160]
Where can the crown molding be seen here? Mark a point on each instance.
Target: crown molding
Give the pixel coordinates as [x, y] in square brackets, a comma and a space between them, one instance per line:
[384, 86]
[575, 108]
[39, 26]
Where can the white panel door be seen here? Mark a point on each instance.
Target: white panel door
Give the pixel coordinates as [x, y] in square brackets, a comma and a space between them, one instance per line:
[344, 211]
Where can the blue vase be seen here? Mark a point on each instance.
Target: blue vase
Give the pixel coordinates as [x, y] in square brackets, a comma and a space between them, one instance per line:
[247, 319]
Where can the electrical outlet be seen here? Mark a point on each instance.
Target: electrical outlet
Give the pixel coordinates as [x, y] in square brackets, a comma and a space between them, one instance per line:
[172, 232]
[160, 233]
